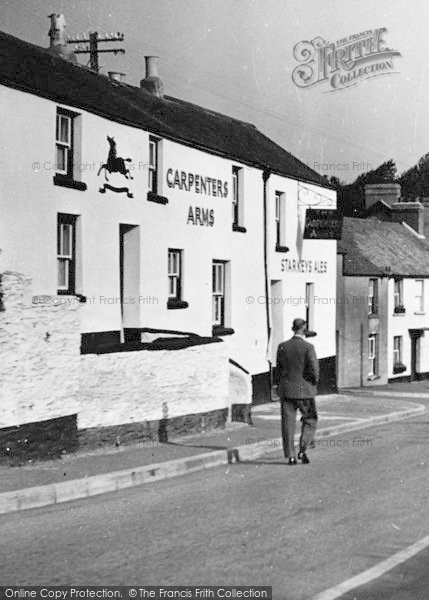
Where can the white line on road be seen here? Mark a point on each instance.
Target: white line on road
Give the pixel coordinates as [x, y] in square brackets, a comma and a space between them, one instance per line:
[374, 572]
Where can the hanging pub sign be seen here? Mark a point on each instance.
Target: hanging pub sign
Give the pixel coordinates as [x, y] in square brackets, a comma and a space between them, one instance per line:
[115, 164]
[322, 224]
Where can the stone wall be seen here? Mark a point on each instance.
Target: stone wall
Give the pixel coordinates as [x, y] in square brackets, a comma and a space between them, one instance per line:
[39, 355]
[47, 385]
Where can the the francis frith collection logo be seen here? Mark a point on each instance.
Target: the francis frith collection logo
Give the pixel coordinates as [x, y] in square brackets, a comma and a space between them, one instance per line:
[344, 63]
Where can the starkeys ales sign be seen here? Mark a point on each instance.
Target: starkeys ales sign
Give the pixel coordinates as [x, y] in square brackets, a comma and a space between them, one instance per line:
[343, 63]
[322, 224]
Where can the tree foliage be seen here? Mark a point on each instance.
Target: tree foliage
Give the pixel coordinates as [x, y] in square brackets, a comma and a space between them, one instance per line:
[415, 181]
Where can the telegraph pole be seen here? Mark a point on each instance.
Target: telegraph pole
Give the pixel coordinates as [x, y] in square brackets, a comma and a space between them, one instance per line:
[92, 48]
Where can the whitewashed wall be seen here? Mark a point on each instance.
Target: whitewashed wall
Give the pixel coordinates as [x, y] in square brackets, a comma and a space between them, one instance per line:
[43, 375]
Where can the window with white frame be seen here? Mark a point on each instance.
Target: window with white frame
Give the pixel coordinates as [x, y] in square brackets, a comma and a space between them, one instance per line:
[66, 256]
[237, 199]
[309, 305]
[280, 221]
[174, 274]
[154, 146]
[372, 355]
[278, 217]
[218, 294]
[67, 150]
[398, 295]
[419, 296]
[397, 350]
[373, 297]
[64, 143]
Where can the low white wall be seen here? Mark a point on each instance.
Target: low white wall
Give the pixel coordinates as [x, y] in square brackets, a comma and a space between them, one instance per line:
[140, 386]
[43, 375]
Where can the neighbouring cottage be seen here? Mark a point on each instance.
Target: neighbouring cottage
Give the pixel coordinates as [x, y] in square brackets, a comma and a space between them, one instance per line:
[382, 299]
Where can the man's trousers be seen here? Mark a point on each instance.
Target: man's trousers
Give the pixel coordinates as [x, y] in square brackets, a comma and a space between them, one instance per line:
[307, 407]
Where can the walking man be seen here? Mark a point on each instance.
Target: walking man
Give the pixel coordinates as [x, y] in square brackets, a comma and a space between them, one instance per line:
[298, 375]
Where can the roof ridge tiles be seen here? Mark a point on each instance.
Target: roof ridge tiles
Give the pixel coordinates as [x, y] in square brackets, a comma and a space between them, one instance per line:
[32, 69]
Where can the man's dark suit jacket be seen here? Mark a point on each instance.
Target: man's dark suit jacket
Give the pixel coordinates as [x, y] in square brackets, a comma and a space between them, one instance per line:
[297, 369]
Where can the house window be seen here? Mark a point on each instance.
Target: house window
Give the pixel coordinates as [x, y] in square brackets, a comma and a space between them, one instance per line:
[67, 145]
[175, 273]
[373, 297]
[153, 165]
[420, 305]
[372, 355]
[397, 349]
[280, 222]
[398, 296]
[66, 255]
[64, 143]
[309, 305]
[218, 294]
[237, 199]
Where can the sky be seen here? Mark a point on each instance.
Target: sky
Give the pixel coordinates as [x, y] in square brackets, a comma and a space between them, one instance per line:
[237, 57]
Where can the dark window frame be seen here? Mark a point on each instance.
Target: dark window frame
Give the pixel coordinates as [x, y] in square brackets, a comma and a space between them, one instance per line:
[66, 179]
[176, 301]
[67, 219]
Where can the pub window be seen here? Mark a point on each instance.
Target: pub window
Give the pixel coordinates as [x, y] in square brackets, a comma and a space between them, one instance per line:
[66, 254]
[398, 296]
[419, 297]
[309, 305]
[280, 221]
[64, 143]
[237, 200]
[154, 146]
[67, 150]
[372, 355]
[373, 297]
[218, 294]
[175, 279]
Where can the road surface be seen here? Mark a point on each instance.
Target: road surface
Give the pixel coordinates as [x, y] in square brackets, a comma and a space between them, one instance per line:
[302, 529]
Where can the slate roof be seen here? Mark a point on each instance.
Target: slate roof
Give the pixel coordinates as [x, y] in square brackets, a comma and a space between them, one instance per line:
[32, 69]
[371, 245]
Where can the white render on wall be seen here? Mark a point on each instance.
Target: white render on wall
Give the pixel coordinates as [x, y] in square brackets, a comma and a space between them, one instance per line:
[32, 203]
[400, 324]
[43, 375]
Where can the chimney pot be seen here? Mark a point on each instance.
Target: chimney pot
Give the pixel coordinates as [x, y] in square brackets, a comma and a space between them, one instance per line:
[57, 36]
[117, 76]
[152, 83]
[151, 66]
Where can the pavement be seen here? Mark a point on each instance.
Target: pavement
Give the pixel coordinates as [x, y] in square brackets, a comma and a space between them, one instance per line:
[89, 473]
[414, 389]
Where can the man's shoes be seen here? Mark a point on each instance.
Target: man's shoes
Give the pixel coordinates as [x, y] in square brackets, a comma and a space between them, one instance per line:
[303, 457]
[292, 461]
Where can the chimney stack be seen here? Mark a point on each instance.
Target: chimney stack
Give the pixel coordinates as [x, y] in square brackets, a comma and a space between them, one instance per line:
[152, 83]
[412, 213]
[396, 211]
[57, 38]
[385, 192]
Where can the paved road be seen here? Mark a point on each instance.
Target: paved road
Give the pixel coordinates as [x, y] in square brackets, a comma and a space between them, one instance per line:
[408, 581]
[301, 529]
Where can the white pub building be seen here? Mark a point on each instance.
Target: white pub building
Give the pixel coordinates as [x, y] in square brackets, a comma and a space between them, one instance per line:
[165, 226]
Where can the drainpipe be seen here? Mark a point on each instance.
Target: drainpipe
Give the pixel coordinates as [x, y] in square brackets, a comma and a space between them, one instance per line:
[265, 175]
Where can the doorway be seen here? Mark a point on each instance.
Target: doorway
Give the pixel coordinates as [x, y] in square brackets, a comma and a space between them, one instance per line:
[415, 335]
[129, 276]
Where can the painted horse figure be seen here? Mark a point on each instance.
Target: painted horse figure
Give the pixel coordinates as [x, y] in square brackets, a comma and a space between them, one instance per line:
[115, 164]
